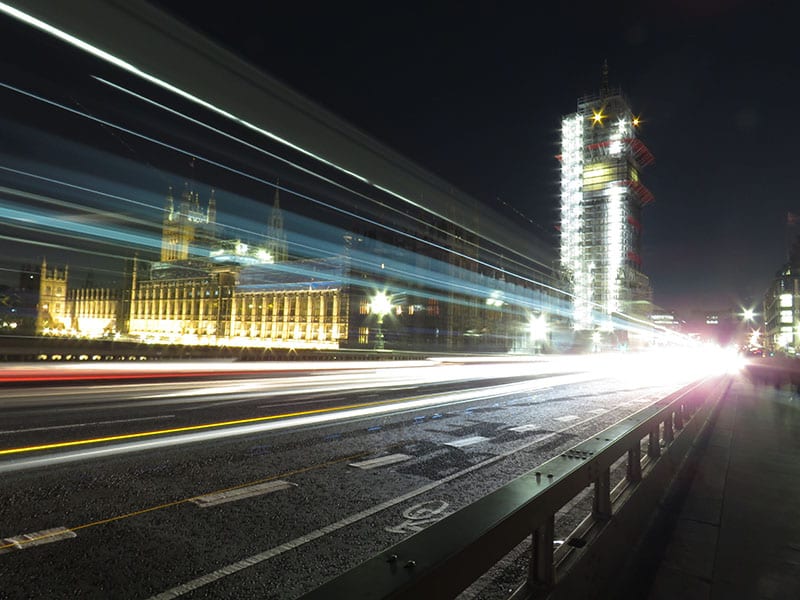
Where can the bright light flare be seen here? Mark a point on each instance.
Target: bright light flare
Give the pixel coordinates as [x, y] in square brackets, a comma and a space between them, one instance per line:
[667, 366]
[381, 304]
[537, 328]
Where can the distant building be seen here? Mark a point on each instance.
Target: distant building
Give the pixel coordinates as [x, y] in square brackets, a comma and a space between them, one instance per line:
[782, 311]
[602, 196]
[206, 290]
[52, 311]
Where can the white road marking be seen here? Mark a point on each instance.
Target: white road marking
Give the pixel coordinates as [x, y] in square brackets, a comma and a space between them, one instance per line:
[419, 516]
[240, 493]
[567, 418]
[255, 559]
[598, 411]
[212, 389]
[469, 441]
[524, 428]
[74, 425]
[27, 540]
[382, 461]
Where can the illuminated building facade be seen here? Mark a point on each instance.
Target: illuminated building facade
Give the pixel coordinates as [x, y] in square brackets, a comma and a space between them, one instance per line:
[782, 311]
[204, 290]
[52, 308]
[187, 230]
[601, 203]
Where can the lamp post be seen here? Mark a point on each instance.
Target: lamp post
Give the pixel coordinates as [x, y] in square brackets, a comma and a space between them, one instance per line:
[381, 305]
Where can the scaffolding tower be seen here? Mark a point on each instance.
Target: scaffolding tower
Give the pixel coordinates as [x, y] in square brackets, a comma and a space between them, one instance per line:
[601, 204]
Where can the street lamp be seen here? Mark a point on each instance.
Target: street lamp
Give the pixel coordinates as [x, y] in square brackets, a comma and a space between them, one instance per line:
[381, 305]
[537, 328]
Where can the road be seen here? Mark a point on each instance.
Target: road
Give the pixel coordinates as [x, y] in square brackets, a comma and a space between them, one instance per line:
[266, 483]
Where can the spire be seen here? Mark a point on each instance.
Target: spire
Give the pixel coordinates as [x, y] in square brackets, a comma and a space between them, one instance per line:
[276, 215]
[186, 197]
[276, 236]
[604, 89]
[276, 201]
[211, 215]
[169, 206]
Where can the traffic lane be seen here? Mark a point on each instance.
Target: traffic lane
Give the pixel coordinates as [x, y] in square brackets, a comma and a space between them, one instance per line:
[316, 498]
[126, 412]
[48, 455]
[194, 373]
[106, 411]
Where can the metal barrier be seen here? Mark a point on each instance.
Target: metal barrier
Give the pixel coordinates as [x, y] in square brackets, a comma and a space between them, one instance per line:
[447, 557]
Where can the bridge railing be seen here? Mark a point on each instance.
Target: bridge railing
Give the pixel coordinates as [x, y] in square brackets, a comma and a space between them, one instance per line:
[447, 557]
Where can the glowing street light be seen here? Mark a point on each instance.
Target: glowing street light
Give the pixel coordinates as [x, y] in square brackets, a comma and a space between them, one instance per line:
[381, 305]
[748, 314]
[537, 329]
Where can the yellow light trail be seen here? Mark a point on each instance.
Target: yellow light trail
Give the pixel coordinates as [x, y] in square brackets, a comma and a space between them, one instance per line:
[142, 434]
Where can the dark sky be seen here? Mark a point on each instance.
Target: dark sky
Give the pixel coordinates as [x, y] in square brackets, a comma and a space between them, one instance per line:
[474, 92]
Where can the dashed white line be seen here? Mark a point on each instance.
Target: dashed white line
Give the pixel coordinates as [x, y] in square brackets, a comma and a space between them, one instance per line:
[567, 418]
[469, 441]
[524, 428]
[598, 411]
[381, 461]
[258, 489]
[28, 540]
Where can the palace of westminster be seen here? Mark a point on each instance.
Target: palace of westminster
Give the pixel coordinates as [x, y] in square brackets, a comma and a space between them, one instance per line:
[206, 290]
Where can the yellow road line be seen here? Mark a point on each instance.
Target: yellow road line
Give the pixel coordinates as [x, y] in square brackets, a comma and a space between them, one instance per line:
[186, 500]
[141, 434]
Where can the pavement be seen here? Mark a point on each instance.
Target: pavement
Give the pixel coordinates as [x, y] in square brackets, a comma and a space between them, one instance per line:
[738, 533]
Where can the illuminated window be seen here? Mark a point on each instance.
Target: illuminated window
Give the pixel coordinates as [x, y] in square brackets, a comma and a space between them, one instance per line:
[786, 300]
[786, 316]
[363, 335]
[596, 176]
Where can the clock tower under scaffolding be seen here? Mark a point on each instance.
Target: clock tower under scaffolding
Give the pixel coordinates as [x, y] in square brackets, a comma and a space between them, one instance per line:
[602, 197]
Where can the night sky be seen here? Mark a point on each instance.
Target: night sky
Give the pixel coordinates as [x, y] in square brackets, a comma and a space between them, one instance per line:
[474, 92]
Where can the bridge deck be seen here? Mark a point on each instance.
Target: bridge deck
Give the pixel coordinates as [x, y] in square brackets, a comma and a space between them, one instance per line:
[738, 534]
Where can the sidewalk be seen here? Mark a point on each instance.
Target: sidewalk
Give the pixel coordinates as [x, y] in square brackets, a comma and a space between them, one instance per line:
[738, 535]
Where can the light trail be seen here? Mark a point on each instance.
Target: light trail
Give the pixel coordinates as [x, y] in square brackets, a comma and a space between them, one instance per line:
[368, 260]
[300, 168]
[239, 427]
[133, 69]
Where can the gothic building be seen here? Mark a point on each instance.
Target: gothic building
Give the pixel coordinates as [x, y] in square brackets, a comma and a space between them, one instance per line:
[206, 289]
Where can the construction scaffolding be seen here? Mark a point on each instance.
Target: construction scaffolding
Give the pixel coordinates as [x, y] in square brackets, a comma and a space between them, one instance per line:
[601, 204]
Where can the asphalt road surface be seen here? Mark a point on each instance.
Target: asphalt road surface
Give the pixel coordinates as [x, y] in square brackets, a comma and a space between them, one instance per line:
[265, 483]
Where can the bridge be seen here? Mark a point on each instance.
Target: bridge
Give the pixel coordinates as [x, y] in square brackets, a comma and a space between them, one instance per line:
[603, 477]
